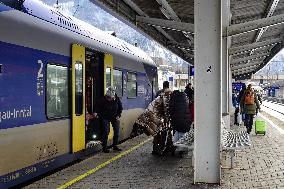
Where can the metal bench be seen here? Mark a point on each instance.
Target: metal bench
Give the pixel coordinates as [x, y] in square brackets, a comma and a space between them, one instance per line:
[232, 141]
[187, 140]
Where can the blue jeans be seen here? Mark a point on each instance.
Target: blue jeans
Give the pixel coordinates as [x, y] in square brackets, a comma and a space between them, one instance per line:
[115, 126]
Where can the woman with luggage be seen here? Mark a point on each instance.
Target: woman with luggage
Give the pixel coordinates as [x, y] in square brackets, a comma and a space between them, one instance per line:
[249, 103]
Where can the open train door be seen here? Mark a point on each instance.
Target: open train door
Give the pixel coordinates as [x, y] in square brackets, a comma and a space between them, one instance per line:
[78, 98]
[108, 80]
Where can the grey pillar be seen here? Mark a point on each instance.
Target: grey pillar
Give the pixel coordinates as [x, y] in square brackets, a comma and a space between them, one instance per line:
[225, 63]
[207, 46]
[231, 108]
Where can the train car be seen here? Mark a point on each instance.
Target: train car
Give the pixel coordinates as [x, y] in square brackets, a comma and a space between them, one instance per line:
[53, 70]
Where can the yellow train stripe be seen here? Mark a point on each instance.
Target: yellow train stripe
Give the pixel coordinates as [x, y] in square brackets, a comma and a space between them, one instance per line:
[102, 165]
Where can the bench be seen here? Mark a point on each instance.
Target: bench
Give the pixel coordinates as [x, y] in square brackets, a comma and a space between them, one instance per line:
[230, 141]
[186, 141]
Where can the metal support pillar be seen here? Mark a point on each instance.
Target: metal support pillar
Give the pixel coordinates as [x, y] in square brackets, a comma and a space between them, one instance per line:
[225, 63]
[207, 40]
[231, 108]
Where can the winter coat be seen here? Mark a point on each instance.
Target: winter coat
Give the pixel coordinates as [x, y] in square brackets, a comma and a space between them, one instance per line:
[259, 98]
[151, 119]
[149, 122]
[190, 94]
[108, 110]
[119, 106]
[155, 115]
[179, 112]
[249, 108]
[159, 92]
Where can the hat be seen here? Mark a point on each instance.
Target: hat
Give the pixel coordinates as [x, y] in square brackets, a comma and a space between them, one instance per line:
[110, 92]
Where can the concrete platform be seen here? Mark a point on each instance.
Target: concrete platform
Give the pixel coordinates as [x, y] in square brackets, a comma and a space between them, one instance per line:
[260, 166]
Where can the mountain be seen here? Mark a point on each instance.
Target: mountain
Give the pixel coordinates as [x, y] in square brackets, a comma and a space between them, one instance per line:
[94, 15]
[275, 66]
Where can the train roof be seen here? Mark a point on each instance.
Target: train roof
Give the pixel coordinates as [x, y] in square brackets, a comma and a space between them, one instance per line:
[53, 15]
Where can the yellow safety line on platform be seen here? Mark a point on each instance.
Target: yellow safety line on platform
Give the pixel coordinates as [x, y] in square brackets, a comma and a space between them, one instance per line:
[102, 165]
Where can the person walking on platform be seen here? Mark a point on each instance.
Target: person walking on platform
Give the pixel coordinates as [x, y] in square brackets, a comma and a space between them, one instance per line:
[249, 103]
[166, 85]
[189, 91]
[237, 114]
[241, 94]
[109, 110]
[162, 141]
[259, 100]
[179, 114]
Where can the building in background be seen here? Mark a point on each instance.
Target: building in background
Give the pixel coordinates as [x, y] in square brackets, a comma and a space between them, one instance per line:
[176, 74]
[181, 81]
[165, 72]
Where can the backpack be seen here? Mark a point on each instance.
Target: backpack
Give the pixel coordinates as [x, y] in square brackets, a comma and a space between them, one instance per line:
[249, 98]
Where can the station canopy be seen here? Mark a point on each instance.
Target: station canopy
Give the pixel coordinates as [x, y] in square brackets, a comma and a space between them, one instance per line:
[255, 29]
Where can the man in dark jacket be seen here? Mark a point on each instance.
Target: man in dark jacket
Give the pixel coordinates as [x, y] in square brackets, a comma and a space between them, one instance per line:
[109, 111]
[166, 85]
[189, 92]
[241, 94]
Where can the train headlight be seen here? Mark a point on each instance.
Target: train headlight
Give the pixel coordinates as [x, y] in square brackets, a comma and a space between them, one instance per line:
[94, 136]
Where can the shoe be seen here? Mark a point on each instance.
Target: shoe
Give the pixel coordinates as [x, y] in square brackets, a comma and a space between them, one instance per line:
[106, 150]
[115, 148]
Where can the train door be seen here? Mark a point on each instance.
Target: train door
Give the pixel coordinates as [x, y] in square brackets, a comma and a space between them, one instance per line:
[99, 76]
[94, 92]
[108, 79]
[78, 98]
[92, 73]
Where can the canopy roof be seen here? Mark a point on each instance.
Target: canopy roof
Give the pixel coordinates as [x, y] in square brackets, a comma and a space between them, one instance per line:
[255, 28]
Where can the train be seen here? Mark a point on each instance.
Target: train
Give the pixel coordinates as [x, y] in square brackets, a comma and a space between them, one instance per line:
[53, 70]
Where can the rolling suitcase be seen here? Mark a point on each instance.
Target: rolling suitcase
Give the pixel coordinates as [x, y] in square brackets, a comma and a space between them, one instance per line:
[260, 127]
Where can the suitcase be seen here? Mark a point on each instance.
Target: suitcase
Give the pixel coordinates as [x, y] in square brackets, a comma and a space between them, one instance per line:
[260, 127]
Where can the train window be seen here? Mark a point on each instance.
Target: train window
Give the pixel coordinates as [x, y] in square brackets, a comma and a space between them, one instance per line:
[131, 85]
[78, 88]
[108, 77]
[118, 82]
[1, 68]
[57, 91]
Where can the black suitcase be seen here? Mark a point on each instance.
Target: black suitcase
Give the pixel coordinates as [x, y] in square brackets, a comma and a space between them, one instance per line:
[163, 142]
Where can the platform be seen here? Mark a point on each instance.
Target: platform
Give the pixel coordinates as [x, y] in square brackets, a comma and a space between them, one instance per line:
[259, 166]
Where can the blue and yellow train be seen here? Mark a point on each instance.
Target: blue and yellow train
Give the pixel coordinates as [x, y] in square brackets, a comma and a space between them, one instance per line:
[53, 69]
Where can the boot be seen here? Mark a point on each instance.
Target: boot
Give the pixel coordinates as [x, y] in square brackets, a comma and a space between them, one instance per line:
[105, 150]
[115, 148]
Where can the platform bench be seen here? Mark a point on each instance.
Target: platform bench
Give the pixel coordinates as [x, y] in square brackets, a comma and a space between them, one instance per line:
[232, 141]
